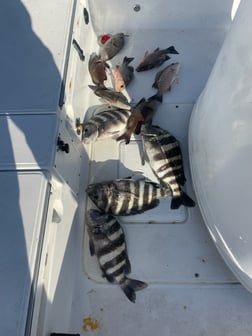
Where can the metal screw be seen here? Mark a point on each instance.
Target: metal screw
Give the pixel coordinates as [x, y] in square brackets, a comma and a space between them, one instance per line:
[136, 7]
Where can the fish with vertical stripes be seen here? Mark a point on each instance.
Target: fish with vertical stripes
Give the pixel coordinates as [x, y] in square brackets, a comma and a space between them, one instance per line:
[125, 197]
[106, 122]
[162, 151]
[107, 242]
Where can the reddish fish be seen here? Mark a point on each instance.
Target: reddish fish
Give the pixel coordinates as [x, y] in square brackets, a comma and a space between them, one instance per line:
[123, 74]
[142, 113]
[166, 77]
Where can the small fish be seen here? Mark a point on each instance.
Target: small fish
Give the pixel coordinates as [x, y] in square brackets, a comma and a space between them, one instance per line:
[155, 59]
[123, 74]
[142, 113]
[125, 197]
[97, 69]
[162, 152]
[107, 242]
[111, 97]
[166, 77]
[106, 122]
[110, 45]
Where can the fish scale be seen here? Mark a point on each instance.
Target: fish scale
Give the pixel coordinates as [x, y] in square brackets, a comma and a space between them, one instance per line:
[107, 242]
[162, 151]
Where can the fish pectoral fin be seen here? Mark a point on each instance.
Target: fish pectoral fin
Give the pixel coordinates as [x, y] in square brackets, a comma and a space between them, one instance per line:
[91, 247]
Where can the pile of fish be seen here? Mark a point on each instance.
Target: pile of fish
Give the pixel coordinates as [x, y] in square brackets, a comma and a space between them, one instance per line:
[117, 118]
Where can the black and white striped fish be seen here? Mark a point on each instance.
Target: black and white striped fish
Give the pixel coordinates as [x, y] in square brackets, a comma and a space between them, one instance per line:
[162, 151]
[124, 197]
[107, 242]
[106, 122]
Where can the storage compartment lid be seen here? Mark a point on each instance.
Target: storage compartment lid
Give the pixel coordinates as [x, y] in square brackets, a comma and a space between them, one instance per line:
[22, 205]
[28, 141]
[220, 143]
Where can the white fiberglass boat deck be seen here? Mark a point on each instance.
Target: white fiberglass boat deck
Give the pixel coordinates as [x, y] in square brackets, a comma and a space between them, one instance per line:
[49, 281]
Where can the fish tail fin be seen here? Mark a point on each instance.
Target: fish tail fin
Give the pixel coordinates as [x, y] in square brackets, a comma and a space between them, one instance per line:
[127, 60]
[184, 199]
[171, 50]
[130, 286]
[158, 97]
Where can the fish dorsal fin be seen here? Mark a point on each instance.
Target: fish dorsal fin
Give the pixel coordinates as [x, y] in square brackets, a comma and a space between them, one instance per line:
[146, 54]
[157, 49]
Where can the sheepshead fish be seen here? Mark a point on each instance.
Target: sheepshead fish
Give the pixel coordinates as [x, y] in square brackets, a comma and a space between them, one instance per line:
[124, 197]
[142, 113]
[166, 77]
[106, 122]
[107, 242]
[162, 151]
[123, 74]
[155, 59]
[111, 97]
[97, 69]
[110, 45]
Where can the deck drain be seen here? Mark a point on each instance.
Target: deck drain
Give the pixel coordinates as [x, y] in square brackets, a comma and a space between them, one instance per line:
[136, 7]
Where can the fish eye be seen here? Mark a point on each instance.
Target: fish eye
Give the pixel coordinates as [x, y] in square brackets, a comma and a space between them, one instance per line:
[85, 130]
[122, 86]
